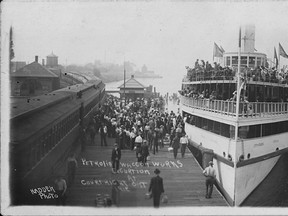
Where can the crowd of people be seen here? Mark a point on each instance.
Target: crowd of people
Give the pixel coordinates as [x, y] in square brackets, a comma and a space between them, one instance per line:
[196, 94]
[141, 125]
[205, 71]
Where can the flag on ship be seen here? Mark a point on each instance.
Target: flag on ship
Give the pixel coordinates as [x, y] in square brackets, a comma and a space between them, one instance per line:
[239, 45]
[282, 52]
[222, 49]
[275, 57]
[11, 46]
[217, 52]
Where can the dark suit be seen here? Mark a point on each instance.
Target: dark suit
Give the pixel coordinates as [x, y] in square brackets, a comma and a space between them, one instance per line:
[144, 153]
[156, 186]
[116, 156]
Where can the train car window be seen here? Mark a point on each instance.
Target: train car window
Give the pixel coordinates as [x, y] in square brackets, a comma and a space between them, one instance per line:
[49, 141]
[44, 145]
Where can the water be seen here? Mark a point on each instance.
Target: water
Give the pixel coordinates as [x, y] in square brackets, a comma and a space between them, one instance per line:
[164, 85]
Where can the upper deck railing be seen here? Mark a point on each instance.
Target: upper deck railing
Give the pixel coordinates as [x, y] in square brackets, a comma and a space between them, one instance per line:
[258, 75]
[203, 77]
[251, 109]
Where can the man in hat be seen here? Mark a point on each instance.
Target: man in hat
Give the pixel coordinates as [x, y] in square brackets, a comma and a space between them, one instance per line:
[60, 187]
[156, 186]
[183, 143]
[144, 152]
[103, 134]
[115, 158]
[210, 175]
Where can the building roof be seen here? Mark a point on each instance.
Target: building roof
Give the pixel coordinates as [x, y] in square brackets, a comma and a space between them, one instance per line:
[132, 83]
[33, 70]
[52, 55]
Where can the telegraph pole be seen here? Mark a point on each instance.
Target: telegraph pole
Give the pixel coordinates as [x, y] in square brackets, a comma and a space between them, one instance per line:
[124, 84]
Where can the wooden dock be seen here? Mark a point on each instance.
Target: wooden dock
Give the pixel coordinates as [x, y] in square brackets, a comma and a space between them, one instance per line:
[184, 183]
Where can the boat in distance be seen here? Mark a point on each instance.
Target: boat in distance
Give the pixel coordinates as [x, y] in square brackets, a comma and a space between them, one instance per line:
[238, 110]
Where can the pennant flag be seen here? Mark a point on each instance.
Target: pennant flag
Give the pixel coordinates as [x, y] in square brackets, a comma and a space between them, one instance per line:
[11, 46]
[239, 37]
[282, 52]
[222, 49]
[217, 52]
[275, 57]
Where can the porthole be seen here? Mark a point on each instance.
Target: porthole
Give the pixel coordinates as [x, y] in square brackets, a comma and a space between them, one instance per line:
[229, 157]
[241, 158]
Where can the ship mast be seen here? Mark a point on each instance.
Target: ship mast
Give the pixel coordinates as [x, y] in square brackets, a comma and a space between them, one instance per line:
[238, 86]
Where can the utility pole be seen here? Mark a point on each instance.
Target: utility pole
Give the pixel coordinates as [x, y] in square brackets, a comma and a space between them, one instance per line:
[124, 84]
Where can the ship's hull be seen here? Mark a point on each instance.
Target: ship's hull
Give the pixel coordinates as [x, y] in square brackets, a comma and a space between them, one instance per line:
[250, 176]
[237, 179]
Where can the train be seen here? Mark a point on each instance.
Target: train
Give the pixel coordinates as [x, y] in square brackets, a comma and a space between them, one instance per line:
[43, 131]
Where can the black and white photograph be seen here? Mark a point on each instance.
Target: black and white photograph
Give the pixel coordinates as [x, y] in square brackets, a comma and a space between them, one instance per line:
[144, 107]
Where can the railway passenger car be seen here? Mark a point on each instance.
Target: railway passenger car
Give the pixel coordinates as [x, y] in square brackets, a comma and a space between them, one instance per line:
[43, 130]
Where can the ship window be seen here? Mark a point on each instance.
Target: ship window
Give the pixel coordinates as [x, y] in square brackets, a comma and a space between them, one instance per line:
[274, 128]
[204, 124]
[210, 125]
[266, 130]
[234, 60]
[216, 128]
[243, 131]
[232, 131]
[193, 120]
[225, 130]
[254, 131]
[228, 60]
[243, 60]
[251, 61]
[198, 122]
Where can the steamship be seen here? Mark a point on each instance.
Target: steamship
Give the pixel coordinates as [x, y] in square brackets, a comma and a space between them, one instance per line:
[240, 114]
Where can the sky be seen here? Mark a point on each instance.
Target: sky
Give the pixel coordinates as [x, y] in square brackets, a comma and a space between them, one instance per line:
[164, 35]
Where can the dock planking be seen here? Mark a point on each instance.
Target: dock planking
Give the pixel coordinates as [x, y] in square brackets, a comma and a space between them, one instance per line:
[184, 183]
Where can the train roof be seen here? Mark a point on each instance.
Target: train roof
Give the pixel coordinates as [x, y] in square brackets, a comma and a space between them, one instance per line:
[33, 114]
